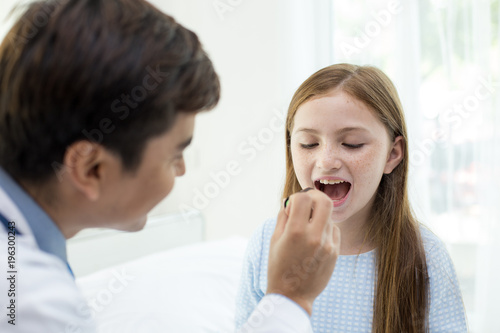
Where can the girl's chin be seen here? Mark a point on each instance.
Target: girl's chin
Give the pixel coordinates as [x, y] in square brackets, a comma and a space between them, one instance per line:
[338, 218]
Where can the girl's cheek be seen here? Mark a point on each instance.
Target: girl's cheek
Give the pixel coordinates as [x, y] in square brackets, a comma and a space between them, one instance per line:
[369, 165]
[363, 165]
[300, 158]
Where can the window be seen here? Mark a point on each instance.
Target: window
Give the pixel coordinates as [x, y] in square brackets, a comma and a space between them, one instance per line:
[444, 58]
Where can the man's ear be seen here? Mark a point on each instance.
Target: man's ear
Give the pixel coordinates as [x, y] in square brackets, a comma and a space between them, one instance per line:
[83, 162]
[396, 155]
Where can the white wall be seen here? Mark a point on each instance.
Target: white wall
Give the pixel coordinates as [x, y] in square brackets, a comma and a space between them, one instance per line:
[262, 54]
[5, 8]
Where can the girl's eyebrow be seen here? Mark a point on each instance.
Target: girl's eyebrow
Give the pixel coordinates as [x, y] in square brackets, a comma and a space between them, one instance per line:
[307, 130]
[351, 129]
[339, 132]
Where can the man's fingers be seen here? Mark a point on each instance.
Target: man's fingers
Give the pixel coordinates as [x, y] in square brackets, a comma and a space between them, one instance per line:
[281, 222]
[299, 210]
[300, 207]
[328, 233]
[322, 211]
[304, 248]
[336, 236]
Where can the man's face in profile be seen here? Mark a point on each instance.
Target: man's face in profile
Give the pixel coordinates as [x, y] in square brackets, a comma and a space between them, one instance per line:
[127, 197]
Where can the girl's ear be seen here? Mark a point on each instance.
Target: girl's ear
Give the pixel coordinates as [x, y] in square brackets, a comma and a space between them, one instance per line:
[395, 155]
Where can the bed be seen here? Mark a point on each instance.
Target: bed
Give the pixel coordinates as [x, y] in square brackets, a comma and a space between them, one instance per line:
[189, 287]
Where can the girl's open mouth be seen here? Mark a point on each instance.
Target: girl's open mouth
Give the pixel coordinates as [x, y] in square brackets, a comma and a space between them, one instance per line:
[337, 189]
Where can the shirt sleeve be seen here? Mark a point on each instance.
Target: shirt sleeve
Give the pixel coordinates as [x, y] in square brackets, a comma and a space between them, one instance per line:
[446, 312]
[276, 314]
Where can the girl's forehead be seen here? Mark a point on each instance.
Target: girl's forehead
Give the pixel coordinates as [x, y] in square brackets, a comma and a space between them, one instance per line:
[335, 110]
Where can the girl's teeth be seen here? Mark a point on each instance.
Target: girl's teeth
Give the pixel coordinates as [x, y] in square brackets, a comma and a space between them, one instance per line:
[331, 182]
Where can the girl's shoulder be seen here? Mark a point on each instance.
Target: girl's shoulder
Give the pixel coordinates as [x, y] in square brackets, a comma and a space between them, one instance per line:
[437, 256]
[432, 243]
[446, 312]
[430, 239]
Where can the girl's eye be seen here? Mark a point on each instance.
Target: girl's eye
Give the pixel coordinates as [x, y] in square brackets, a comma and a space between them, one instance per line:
[353, 146]
[308, 146]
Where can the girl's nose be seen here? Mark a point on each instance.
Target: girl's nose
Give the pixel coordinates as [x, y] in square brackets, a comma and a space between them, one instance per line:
[328, 159]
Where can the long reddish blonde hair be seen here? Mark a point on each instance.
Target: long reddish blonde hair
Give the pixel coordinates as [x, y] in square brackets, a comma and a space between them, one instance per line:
[401, 297]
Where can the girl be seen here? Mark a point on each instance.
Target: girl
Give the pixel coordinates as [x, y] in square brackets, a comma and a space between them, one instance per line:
[346, 136]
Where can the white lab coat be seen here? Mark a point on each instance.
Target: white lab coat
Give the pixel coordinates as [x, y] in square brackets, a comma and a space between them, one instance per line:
[46, 297]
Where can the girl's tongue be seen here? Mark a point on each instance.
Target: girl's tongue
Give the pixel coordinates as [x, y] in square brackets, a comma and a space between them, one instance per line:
[334, 191]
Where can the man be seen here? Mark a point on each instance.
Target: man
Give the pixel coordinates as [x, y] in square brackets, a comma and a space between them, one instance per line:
[98, 100]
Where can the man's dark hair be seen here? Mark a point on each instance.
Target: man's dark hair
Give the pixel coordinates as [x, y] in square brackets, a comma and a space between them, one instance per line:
[115, 72]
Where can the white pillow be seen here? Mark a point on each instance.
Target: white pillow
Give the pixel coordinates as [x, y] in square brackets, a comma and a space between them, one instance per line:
[187, 289]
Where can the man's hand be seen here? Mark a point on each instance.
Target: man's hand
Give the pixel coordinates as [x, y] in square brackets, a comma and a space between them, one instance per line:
[304, 248]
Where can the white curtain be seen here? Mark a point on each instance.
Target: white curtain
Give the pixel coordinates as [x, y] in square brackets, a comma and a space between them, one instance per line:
[444, 58]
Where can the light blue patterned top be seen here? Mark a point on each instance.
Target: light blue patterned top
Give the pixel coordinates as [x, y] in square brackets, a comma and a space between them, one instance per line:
[346, 304]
